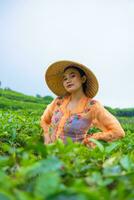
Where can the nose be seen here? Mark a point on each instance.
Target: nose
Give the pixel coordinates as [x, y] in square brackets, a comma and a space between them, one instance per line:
[68, 81]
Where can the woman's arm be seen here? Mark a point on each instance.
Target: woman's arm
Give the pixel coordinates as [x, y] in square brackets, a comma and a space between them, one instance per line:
[108, 123]
[46, 120]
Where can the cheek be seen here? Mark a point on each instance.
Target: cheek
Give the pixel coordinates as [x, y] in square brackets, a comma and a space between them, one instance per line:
[63, 83]
[78, 81]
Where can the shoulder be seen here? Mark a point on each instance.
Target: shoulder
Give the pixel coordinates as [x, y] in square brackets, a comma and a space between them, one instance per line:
[94, 104]
[59, 100]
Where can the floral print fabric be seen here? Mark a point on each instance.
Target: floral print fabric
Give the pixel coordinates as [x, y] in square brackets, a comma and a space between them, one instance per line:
[59, 122]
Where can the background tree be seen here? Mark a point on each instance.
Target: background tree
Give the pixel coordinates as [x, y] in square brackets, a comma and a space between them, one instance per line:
[38, 95]
[48, 98]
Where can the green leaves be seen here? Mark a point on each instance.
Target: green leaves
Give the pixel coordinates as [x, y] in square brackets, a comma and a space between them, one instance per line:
[48, 165]
[127, 163]
[31, 170]
[47, 184]
[98, 144]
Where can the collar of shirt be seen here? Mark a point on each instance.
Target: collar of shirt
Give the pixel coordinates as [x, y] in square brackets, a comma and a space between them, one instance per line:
[79, 108]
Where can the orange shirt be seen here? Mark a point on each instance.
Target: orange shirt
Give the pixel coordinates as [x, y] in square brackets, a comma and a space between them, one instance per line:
[59, 122]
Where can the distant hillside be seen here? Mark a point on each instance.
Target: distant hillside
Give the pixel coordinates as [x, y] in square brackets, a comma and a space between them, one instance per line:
[10, 99]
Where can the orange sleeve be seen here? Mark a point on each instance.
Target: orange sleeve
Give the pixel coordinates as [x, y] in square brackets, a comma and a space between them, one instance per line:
[108, 123]
[47, 115]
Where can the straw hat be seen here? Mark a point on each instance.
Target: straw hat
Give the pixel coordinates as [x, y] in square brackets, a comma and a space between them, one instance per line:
[54, 75]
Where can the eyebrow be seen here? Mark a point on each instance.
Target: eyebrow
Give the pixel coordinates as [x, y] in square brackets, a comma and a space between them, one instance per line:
[69, 74]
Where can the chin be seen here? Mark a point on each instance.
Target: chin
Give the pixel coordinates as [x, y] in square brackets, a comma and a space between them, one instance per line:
[71, 91]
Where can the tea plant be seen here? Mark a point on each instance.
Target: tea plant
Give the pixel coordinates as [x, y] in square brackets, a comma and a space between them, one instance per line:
[31, 170]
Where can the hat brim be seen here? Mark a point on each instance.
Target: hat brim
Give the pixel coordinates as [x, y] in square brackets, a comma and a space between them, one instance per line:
[54, 78]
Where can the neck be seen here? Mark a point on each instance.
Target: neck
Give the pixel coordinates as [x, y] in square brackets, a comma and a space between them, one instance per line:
[77, 95]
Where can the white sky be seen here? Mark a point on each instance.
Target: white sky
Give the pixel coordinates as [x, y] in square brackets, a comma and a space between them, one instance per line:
[97, 33]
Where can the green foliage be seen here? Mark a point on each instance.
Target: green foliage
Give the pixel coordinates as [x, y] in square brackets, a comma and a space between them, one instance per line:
[48, 99]
[15, 105]
[127, 112]
[31, 170]
[12, 97]
[121, 112]
[14, 100]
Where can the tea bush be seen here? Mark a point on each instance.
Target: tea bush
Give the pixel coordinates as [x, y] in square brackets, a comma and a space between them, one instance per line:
[31, 170]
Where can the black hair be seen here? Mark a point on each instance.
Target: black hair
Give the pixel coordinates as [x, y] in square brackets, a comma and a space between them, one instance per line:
[81, 72]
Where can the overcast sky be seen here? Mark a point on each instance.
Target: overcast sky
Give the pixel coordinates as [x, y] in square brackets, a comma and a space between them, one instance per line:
[97, 33]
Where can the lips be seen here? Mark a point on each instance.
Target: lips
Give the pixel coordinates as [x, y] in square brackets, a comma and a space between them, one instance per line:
[70, 85]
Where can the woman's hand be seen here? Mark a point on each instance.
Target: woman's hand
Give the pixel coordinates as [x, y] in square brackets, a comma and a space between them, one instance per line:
[53, 138]
[47, 139]
[87, 141]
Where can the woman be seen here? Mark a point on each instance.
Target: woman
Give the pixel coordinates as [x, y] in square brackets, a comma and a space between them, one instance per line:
[74, 111]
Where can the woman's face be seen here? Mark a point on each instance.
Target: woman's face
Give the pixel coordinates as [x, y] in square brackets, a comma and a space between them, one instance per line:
[72, 80]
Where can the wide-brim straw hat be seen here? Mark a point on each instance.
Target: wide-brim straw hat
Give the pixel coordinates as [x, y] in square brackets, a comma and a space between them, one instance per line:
[54, 78]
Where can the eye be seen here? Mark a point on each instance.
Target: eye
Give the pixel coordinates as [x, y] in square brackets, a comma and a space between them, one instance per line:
[73, 75]
[64, 79]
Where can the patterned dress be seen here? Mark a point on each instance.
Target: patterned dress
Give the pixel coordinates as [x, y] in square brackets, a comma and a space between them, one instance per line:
[59, 122]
